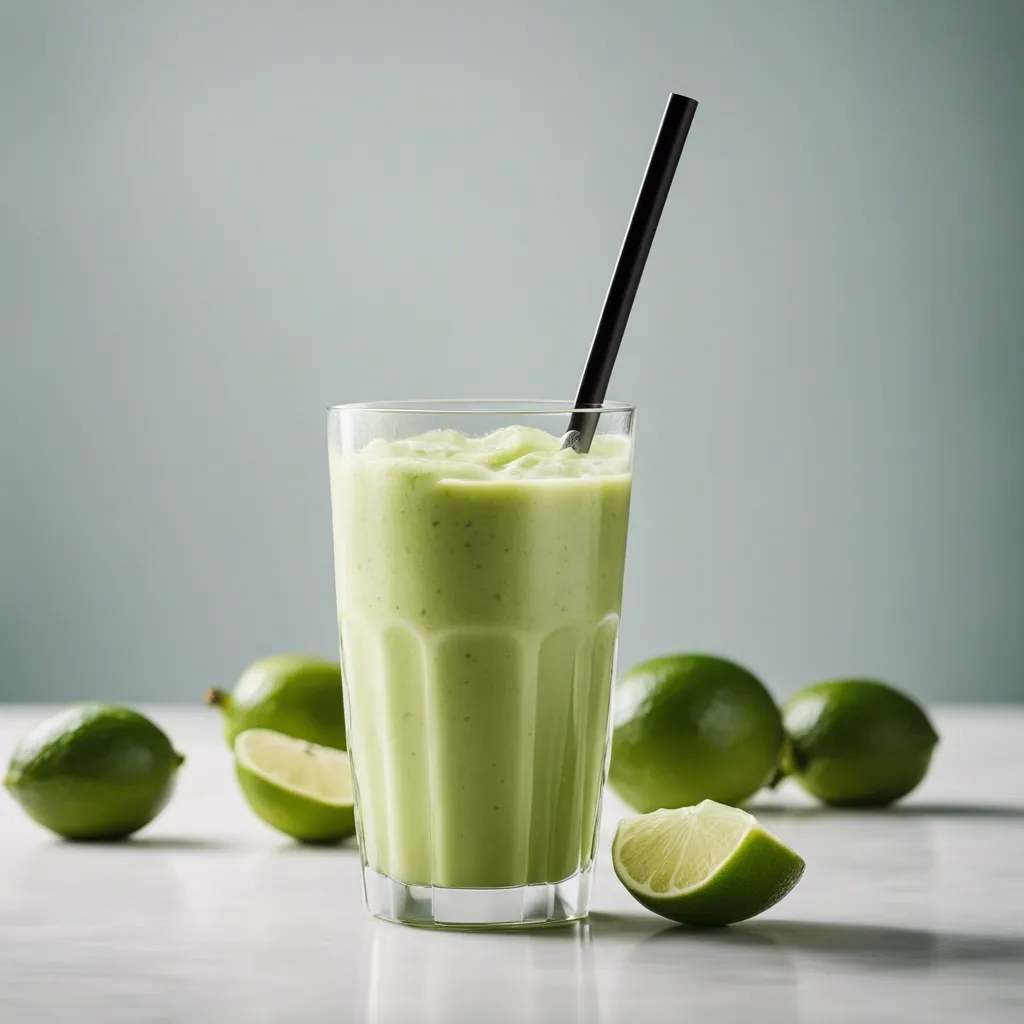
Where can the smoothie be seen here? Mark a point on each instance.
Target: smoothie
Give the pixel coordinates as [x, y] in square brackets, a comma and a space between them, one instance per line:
[479, 587]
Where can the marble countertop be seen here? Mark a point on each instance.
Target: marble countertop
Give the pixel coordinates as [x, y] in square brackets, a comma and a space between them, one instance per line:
[911, 914]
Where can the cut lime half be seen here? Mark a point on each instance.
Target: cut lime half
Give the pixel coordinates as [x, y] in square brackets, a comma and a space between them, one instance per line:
[300, 788]
[707, 865]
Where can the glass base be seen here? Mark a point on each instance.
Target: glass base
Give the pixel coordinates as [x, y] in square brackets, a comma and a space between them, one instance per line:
[514, 907]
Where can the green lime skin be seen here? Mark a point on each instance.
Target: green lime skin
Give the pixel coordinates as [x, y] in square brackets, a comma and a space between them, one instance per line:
[857, 742]
[94, 771]
[692, 727]
[295, 694]
[306, 820]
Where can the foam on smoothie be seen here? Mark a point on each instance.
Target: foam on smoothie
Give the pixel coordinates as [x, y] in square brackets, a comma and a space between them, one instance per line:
[509, 453]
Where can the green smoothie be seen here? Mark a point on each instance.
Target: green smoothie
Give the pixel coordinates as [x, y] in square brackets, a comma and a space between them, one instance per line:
[479, 588]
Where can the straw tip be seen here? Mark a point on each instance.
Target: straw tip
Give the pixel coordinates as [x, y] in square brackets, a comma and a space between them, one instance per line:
[572, 440]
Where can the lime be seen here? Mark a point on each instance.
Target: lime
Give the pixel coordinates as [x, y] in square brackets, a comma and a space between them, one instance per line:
[706, 865]
[857, 742]
[94, 771]
[298, 695]
[690, 728]
[300, 788]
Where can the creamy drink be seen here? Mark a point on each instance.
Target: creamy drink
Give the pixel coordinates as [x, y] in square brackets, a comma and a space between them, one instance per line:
[479, 583]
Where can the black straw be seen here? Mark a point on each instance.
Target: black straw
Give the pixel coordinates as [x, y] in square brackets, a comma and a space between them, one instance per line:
[618, 302]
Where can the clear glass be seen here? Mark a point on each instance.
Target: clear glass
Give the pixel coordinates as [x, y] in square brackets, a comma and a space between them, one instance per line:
[479, 582]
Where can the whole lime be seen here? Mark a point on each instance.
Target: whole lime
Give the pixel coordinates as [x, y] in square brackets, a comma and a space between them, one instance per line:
[295, 694]
[94, 771]
[692, 727]
[857, 742]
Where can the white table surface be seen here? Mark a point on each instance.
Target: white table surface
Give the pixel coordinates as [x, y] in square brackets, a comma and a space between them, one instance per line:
[913, 914]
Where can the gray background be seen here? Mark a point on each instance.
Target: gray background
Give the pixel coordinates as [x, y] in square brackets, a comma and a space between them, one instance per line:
[217, 219]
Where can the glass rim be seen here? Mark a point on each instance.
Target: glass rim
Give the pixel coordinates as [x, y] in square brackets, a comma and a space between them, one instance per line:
[481, 407]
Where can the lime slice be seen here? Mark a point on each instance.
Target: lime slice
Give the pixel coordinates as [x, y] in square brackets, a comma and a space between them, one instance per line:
[706, 865]
[300, 788]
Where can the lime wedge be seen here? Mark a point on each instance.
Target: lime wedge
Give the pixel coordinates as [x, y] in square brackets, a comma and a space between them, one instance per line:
[300, 788]
[706, 865]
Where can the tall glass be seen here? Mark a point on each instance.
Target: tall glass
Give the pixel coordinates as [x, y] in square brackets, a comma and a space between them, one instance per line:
[479, 581]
